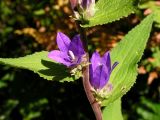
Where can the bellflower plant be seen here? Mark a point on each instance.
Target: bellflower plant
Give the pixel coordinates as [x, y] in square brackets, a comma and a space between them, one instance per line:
[74, 55]
[85, 8]
[100, 71]
[70, 53]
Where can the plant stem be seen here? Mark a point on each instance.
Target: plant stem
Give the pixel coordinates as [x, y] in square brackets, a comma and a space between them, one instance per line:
[86, 83]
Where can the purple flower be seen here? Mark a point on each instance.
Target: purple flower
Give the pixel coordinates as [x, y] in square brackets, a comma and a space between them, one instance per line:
[82, 3]
[100, 70]
[70, 52]
[85, 4]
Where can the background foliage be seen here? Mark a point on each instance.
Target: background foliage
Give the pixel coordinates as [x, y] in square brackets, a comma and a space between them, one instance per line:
[29, 26]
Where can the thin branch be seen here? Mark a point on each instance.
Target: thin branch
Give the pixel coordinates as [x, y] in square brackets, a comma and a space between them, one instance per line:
[86, 83]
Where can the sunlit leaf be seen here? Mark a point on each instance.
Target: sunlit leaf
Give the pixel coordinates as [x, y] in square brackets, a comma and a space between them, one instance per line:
[41, 64]
[128, 53]
[113, 111]
[111, 10]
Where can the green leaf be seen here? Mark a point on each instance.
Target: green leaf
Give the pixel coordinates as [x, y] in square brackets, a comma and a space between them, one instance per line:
[111, 10]
[113, 111]
[128, 53]
[41, 64]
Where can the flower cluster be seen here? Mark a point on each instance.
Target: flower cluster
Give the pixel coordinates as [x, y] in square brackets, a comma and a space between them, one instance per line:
[71, 54]
[100, 71]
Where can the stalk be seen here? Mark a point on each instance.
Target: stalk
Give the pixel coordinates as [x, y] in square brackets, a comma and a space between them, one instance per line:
[85, 72]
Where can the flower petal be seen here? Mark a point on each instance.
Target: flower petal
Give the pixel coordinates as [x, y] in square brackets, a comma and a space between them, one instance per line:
[63, 42]
[76, 46]
[61, 57]
[104, 78]
[85, 3]
[114, 65]
[99, 77]
[95, 60]
[94, 77]
[106, 60]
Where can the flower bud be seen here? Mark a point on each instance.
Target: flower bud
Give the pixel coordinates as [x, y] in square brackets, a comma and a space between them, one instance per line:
[84, 8]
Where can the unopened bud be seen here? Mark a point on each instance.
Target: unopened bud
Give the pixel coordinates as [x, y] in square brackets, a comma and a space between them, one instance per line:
[85, 8]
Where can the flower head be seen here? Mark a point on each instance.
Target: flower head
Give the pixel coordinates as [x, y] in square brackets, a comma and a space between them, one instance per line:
[86, 8]
[85, 4]
[100, 70]
[70, 53]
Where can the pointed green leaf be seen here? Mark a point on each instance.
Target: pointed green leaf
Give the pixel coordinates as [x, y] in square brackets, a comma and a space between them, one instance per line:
[111, 10]
[41, 64]
[128, 53]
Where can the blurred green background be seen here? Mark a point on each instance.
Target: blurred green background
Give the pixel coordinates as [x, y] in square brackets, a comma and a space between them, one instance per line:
[29, 26]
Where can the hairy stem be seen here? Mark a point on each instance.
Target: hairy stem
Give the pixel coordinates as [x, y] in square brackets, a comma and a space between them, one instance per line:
[86, 83]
